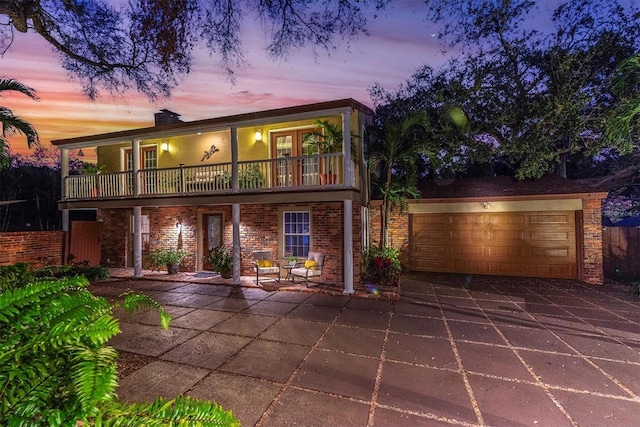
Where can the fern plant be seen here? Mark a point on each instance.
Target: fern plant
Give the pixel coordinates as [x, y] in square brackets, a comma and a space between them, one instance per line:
[55, 366]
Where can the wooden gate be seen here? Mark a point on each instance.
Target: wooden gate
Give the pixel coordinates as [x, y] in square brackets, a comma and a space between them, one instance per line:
[86, 241]
[621, 250]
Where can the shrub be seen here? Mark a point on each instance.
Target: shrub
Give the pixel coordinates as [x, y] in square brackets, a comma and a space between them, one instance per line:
[381, 266]
[55, 366]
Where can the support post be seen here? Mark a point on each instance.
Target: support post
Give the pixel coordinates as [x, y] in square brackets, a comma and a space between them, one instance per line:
[348, 246]
[64, 173]
[135, 156]
[348, 168]
[235, 185]
[137, 241]
[237, 260]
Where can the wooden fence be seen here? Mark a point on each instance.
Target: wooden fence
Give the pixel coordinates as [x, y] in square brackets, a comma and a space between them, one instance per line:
[621, 250]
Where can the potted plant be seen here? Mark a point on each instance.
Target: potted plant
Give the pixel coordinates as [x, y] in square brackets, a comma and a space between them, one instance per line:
[221, 260]
[328, 139]
[172, 258]
[92, 169]
[292, 260]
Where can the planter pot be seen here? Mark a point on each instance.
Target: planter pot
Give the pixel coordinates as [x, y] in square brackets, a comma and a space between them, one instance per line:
[226, 274]
[172, 268]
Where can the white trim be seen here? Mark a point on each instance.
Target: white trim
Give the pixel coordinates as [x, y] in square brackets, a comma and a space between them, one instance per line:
[498, 206]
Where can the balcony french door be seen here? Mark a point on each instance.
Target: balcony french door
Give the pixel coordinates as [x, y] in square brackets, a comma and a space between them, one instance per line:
[291, 145]
[148, 160]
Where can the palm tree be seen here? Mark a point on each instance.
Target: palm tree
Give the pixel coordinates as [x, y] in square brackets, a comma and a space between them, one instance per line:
[10, 123]
[394, 150]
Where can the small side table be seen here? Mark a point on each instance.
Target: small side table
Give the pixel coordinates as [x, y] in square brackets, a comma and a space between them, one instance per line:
[289, 267]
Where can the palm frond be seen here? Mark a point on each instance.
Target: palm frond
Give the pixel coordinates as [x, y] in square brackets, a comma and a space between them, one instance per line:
[7, 84]
[134, 301]
[11, 125]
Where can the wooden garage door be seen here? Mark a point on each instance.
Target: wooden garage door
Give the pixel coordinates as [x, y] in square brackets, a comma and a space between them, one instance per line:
[533, 244]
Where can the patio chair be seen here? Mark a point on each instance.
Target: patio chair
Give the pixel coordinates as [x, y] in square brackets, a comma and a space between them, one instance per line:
[264, 265]
[312, 267]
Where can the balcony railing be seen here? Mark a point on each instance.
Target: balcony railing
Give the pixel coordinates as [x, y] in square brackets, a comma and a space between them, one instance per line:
[281, 174]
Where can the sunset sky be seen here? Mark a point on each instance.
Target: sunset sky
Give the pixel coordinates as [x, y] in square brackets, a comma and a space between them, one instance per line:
[400, 41]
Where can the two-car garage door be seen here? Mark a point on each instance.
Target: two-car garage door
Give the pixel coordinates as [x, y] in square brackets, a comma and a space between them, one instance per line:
[533, 244]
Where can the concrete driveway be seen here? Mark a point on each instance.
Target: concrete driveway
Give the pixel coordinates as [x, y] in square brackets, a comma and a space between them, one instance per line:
[454, 350]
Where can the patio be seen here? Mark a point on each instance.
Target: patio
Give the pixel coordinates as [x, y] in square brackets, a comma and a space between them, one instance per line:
[453, 350]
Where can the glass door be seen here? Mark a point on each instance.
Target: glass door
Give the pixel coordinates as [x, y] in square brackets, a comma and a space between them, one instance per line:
[293, 169]
[148, 162]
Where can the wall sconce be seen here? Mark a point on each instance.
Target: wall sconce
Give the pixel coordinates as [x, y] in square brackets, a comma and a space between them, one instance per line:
[179, 226]
[165, 147]
[258, 136]
[80, 153]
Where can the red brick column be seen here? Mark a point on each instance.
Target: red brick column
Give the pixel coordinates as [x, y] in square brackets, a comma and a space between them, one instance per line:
[592, 267]
[398, 230]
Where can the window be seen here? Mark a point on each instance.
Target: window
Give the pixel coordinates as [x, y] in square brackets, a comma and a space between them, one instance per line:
[144, 225]
[297, 233]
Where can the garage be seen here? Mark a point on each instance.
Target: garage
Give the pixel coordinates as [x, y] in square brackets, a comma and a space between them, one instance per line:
[525, 243]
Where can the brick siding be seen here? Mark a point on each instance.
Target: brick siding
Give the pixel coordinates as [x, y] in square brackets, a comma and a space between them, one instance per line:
[398, 231]
[39, 248]
[258, 230]
[592, 265]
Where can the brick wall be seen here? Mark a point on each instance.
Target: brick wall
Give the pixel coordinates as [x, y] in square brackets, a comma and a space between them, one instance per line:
[592, 265]
[115, 236]
[398, 231]
[258, 230]
[39, 248]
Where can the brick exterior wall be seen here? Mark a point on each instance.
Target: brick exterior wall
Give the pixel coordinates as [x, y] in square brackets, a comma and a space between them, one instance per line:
[592, 264]
[398, 231]
[258, 230]
[39, 248]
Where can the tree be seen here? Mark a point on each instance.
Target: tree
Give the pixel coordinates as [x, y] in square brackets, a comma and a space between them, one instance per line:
[35, 180]
[534, 99]
[624, 123]
[148, 45]
[394, 148]
[10, 123]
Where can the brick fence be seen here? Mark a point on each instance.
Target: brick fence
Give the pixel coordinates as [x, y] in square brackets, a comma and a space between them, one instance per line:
[36, 247]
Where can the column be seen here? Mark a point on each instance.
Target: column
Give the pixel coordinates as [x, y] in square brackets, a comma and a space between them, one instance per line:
[137, 241]
[237, 261]
[137, 211]
[64, 173]
[349, 180]
[348, 246]
[234, 160]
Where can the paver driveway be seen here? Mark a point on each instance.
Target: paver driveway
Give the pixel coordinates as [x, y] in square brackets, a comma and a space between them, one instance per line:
[454, 350]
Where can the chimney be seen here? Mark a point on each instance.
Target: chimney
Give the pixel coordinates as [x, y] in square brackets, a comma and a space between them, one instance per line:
[166, 117]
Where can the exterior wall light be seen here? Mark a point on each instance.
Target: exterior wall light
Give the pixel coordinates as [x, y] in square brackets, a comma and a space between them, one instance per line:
[165, 146]
[258, 136]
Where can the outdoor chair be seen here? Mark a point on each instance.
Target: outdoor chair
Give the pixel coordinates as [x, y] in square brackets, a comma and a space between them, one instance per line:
[312, 268]
[265, 265]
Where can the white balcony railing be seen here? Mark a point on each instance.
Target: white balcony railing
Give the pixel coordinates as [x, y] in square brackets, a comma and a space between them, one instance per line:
[281, 174]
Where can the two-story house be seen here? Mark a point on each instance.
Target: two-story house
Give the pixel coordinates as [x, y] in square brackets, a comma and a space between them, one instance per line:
[250, 181]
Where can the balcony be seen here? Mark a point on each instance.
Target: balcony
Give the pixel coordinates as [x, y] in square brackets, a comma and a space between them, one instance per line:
[315, 172]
